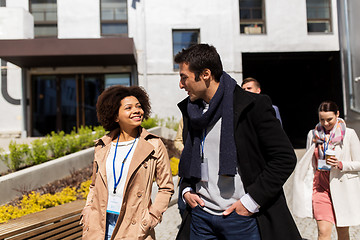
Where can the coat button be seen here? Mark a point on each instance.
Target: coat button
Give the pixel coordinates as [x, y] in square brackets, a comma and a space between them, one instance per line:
[139, 194]
[133, 221]
[144, 223]
[145, 165]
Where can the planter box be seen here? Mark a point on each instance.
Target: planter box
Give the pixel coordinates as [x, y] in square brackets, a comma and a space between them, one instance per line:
[42, 174]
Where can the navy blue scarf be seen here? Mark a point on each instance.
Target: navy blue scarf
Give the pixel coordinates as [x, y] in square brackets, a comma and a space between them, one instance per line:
[221, 105]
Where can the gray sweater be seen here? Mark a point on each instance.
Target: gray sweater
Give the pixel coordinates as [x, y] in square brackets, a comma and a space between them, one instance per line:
[220, 192]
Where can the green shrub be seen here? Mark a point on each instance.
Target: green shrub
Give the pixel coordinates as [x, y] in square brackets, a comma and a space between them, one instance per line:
[169, 122]
[39, 151]
[72, 142]
[99, 131]
[57, 144]
[150, 123]
[172, 123]
[52, 146]
[17, 157]
[85, 137]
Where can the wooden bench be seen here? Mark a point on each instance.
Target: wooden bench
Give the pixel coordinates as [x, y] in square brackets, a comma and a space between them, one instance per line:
[60, 222]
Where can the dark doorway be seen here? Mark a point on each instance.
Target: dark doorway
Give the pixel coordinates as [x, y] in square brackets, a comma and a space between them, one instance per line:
[297, 83]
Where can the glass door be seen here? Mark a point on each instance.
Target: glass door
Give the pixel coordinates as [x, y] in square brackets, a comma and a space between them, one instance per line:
[93, 86]
[68, 104]
[44, 104]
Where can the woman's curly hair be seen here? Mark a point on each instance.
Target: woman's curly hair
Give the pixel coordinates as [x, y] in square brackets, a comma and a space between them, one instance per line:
[108, 104]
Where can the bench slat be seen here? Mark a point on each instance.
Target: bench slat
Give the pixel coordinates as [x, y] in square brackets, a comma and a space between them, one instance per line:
[58, 233]
[76, 236]
[65, 234]
[49, 229]
[35, 220]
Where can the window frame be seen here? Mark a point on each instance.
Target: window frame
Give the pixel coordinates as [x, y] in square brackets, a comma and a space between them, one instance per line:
[114, 22]
[172, 36]
[320, 20]
[45, 23]
[252, 30]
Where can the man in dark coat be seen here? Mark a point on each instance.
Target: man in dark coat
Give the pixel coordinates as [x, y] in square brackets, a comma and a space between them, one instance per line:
[236, 156]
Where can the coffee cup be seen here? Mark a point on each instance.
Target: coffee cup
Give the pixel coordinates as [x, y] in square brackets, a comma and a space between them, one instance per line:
[322, 163]
[329, 153]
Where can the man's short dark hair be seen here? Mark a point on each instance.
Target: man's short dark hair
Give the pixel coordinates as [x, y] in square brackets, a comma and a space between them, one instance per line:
[108, 104]
[199, 57]
[250, 79]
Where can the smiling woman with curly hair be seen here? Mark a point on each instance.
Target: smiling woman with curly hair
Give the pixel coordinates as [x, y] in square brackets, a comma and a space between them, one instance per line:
[126, 162]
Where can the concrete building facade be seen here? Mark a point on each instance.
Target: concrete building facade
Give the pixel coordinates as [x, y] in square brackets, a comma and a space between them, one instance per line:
[271, 40]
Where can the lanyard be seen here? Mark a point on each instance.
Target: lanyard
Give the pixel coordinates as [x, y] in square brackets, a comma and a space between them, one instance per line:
[202, 145]
[116, 183]
[326, 143]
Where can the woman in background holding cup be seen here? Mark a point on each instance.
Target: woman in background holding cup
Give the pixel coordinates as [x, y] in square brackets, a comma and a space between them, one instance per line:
[326, 179]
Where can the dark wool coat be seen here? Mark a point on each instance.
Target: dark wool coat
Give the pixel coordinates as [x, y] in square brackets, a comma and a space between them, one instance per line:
[266, 159]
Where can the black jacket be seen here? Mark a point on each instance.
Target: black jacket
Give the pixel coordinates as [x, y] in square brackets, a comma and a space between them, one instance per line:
[266, 160]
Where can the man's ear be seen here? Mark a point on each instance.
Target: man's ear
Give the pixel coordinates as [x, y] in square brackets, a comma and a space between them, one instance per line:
[206, 74]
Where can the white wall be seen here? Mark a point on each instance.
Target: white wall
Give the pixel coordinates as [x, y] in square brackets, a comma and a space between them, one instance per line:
[78, 18]
[15, 23]
[11, 120]
[286, 30]
[18, 3]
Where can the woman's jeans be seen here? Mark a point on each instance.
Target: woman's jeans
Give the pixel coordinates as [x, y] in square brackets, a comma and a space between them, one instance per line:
[110, 224]
[205, 226]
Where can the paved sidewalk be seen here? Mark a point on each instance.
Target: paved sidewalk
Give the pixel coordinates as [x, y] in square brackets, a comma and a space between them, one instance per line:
[168, 228]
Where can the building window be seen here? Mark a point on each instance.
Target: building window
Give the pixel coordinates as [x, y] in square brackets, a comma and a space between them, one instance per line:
[318, 16]
[45, 17]
[2, 3]
[116, 79]
[252, 16]
[114, 17]
[184, 39]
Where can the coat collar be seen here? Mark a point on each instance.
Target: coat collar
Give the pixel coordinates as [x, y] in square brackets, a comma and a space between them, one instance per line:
[242, 100]
[142, 151]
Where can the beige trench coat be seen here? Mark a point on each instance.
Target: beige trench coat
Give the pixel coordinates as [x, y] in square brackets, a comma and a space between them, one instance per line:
[344, 184]
[138, 215]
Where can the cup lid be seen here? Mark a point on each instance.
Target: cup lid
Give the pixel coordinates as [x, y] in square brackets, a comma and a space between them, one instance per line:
[330, 152]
